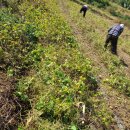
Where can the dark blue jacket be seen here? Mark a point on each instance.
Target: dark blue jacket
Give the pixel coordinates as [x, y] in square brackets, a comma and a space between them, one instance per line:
[115, 30]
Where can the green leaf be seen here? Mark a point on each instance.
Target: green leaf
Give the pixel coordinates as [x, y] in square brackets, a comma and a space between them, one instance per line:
[73, 127]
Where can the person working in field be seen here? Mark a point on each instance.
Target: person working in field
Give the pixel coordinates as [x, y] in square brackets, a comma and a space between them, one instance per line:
[84, 10]
[113, 34]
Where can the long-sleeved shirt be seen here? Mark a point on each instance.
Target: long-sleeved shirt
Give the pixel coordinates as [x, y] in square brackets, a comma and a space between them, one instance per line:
[115, 30]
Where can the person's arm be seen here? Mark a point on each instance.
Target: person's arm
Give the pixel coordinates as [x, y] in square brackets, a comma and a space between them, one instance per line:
[81, 9]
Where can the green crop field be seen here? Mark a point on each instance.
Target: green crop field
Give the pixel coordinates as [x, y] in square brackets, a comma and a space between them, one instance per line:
[54, 71]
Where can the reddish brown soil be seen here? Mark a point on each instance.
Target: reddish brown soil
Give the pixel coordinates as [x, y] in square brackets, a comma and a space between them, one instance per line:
[8, 109]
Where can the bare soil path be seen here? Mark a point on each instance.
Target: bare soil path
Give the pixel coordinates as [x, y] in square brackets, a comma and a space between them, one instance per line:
[117, 103]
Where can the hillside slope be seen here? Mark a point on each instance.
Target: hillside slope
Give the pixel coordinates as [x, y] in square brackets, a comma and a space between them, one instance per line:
[54, 71]
[52, 77]
[90, 33]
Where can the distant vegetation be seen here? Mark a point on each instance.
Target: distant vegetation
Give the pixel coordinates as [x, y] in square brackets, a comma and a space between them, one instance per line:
[105, 3]
[124, 3]
[98, 3]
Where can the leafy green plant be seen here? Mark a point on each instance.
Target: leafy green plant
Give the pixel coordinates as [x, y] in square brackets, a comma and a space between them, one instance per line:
[73, 127]
[120, 82]
[10, 72]
[98, 3]
[124, 3]
[60, 86]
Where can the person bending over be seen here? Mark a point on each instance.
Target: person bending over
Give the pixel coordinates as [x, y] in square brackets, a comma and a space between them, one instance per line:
[84, 10]
[112, 36]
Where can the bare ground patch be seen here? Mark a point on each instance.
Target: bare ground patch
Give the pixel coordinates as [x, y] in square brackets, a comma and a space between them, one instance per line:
[12, 110]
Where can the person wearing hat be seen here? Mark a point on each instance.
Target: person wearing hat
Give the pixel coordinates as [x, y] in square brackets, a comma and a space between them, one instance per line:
[113, 34]
[84, 10]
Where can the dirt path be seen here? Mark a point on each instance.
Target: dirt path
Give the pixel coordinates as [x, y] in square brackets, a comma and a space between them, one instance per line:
[117, 103]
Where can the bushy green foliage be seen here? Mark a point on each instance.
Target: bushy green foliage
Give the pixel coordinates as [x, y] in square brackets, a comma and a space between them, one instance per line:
[124, 3]
[105, 3]
[13, 4]
[119, 14]
[20, 36]
[17, 40]
[98, 3]
[69, 81]
[62, 78]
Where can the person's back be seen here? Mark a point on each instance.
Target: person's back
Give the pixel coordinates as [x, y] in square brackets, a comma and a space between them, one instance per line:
[116, 30]
[113, 34]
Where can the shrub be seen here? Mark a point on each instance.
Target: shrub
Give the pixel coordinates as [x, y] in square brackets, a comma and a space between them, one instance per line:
[98, 3]
[124, 3]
